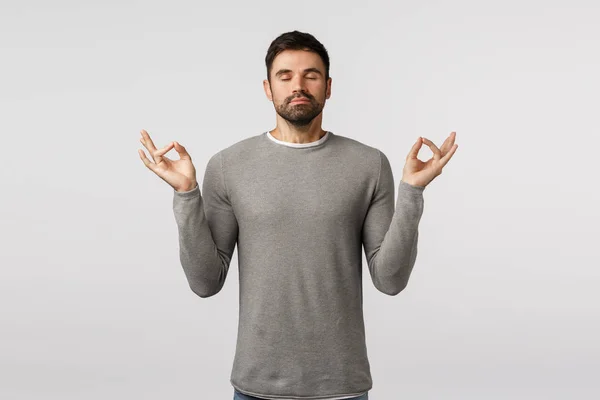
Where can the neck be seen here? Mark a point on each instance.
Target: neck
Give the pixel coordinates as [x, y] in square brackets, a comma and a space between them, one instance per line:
[286, 132]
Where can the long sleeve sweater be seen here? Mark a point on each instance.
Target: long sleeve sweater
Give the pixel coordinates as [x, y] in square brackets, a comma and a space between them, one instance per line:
[300, 215]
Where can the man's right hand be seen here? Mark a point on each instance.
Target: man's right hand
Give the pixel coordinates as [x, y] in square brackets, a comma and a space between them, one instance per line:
[180, 174]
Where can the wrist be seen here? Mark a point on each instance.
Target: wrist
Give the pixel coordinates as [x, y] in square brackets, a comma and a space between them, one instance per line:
[413, 183]
[187, 188]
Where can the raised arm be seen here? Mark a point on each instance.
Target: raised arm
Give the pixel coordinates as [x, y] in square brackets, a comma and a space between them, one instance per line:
[208, 230]
[390, 236]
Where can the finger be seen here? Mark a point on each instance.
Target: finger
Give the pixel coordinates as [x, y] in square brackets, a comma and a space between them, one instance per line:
[146, 161]
[183, 154]
[437, 154]
[414, 151]
[158, 154]
[146, 141]
[444, 160]
[448, 143]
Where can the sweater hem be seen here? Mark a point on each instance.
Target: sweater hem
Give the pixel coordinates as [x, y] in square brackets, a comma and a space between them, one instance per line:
[320, 397]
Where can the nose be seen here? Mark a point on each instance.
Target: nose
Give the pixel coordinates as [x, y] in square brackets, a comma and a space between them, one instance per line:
[299, 84]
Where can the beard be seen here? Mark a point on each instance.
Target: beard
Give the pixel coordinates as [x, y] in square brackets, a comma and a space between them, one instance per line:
[300, 114]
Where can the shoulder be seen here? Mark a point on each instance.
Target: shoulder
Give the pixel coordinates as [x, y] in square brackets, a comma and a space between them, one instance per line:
[369, 156]
[237, 151]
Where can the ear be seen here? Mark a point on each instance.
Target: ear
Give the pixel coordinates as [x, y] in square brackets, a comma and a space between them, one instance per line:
[328, 92]
[267, 89]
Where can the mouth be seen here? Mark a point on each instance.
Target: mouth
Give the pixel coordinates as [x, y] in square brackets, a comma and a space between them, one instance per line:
[300, 100]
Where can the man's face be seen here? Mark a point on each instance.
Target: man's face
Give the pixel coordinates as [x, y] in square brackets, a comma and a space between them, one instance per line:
[298, 75]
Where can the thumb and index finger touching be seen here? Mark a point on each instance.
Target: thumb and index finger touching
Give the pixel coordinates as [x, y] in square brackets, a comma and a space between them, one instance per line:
[157, 155]
[438, 155]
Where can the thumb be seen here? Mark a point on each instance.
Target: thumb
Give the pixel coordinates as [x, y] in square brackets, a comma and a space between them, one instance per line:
[414, 151]
[158, 154]
[183, 154]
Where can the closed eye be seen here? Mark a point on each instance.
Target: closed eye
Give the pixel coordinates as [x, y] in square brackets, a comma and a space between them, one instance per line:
[287, 79]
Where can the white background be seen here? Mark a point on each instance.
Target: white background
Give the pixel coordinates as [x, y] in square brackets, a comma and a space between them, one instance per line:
[503, 301]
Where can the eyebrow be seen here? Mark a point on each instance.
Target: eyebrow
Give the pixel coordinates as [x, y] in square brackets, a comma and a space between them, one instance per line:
[285, 71]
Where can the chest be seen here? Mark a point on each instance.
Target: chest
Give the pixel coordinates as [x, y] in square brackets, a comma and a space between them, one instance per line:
[279, 195]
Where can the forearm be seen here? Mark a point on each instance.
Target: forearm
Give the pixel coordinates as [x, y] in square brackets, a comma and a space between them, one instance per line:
[392, 264]
[204, 265]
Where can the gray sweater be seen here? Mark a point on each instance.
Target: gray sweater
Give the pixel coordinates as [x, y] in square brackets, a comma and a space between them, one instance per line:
[300, 215]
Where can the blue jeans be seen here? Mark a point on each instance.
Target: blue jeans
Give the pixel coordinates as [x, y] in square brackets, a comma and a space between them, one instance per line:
[241, 396]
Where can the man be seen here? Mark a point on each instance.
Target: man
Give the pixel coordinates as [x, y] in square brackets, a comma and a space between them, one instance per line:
[299, 202]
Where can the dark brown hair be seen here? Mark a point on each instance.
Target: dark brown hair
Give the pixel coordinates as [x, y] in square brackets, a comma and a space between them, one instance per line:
[296, 41]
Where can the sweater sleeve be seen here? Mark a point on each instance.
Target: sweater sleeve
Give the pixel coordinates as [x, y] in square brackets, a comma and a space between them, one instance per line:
[390, 236]
[208, 230]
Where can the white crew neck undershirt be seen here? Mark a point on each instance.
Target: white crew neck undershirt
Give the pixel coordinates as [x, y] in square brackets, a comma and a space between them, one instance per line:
[289, 144]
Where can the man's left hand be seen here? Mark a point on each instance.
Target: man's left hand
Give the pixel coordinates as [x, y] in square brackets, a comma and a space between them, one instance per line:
[419, 173]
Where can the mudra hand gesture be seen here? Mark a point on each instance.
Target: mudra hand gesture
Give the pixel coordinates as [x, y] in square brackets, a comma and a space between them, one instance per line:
[419, 173]
[180, 174]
